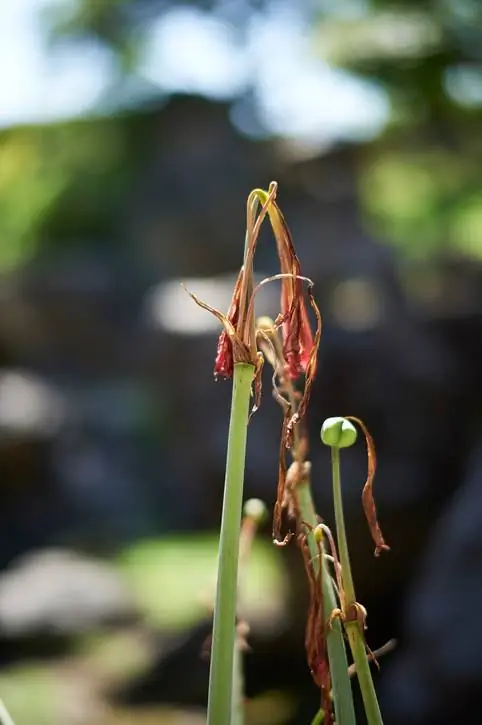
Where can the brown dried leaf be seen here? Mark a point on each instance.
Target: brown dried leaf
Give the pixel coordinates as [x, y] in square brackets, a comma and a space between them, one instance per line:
[367, 493]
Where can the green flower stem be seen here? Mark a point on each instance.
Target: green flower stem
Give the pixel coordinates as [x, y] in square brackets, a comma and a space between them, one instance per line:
[342, 692]
[353, 628]
[224, 626]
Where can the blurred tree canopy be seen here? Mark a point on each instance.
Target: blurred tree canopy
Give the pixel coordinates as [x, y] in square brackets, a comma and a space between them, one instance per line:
[421, 178]
[426, 53]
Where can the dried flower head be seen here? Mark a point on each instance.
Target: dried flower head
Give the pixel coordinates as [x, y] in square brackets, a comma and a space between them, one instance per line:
[238, 340]
[298, 341]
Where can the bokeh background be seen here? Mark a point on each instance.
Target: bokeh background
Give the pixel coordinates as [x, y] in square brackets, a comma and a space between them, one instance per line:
[131, 133]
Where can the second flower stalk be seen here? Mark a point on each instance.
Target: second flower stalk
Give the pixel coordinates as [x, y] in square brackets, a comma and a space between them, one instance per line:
[338, 433]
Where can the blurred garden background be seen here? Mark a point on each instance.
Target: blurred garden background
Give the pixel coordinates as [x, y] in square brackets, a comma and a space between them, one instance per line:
[131, 132]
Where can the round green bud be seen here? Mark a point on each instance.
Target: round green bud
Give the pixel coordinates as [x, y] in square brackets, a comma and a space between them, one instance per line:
[255, 509]
[338, 433]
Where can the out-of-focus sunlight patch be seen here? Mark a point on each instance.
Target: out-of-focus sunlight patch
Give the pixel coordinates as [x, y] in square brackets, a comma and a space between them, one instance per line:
[315, 104]
[31, 695]
[28, 405]
[119, 653]
[38, 86]
[173, 580]
[357, 305]
[187, 50]
[274, 708]
[466, 227]
[464, 84]
[169, 307]
[300, 96]
[385, 34]
[29, 185]
[400, 188]
[414, 200]
[191, 51]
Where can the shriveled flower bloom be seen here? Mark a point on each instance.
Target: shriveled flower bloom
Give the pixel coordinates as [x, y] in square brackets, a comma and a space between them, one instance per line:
[298, 341]
[238, 342]
[224, 362]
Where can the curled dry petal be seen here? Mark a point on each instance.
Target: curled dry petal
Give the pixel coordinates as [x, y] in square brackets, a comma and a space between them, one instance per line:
[315, 636]
[230, 346]
[310, 371]
[280, 495]
[224, 362]
[298, 339]
[367, 493]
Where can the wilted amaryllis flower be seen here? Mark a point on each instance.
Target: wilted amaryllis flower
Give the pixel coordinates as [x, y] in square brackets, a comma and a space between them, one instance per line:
[298, 341]
[237, 342]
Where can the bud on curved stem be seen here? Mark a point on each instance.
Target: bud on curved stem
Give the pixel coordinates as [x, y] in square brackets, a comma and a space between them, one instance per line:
[333, 432]
[338, 433]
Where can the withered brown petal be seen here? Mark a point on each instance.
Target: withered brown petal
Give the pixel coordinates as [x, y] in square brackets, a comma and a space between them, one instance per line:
[296, 329]
[280, 495]
[367, 493]
[309, 372]
[315, 635]
[230, 347]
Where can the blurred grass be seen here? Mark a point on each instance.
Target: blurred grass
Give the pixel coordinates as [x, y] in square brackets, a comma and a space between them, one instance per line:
[172, 579]
[30, 694]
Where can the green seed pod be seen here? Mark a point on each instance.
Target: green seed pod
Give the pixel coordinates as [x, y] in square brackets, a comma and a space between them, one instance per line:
[338, 433]
[255, 509]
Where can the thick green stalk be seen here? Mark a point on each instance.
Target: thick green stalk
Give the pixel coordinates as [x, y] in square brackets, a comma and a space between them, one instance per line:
[353, 628]
[341, 685]
[224, 625]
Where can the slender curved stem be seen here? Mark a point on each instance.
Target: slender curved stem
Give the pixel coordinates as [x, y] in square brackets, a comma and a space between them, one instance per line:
[353, 628]
[220, 695]
[341, 685]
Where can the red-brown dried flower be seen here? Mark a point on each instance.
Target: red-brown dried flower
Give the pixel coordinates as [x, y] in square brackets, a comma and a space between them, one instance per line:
[237, 341]
[224, 362]
[298, 341]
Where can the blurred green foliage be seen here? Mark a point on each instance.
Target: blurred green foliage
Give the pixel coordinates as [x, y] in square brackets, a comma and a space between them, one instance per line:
[58, 183]
[420, 182]
[168, 577]
[174, 578]
[427, 202]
